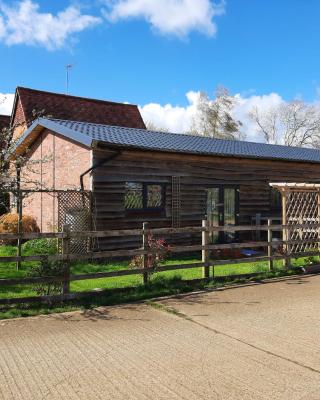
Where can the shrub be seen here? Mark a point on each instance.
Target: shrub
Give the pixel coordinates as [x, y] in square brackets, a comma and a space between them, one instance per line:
[48, 268]
[9, 224]
[312, 260]
[40, 246]
[159, 251]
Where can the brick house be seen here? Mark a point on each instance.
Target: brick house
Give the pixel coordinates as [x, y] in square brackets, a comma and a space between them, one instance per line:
[31, 102]
[62, 159]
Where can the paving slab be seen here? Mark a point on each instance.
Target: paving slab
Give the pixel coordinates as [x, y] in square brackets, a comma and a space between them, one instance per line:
[253, 342]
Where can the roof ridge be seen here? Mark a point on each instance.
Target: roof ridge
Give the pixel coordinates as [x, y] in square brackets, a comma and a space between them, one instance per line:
[111, 126]
[76, 97]
[125, 127]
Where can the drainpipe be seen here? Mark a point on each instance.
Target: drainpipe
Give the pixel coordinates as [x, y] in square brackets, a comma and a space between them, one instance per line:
[97, 165]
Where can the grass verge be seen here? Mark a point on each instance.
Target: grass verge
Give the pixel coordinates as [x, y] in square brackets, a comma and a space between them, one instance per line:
[159, 286]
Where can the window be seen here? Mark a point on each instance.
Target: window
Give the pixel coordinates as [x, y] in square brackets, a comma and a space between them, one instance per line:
[275, 199]
[134, 196]
[144, 196]
[154, 196]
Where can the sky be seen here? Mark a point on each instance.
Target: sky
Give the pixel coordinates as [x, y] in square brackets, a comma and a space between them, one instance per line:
[160, 54]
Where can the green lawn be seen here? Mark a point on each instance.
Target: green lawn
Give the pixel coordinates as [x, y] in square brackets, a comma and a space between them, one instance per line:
[9, 270]
[161, 283]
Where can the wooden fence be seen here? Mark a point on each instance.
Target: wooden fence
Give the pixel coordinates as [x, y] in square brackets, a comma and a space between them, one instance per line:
[207, 249]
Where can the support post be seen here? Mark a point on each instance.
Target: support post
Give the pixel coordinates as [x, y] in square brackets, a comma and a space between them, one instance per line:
[285, 231]
[270, 244]
[66, 251]
[19, 243]
[318, 220]
[258, 223]
[205, 252]
[145, 247]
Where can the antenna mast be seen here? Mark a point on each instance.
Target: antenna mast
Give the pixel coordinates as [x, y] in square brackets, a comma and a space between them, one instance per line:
[68, 68]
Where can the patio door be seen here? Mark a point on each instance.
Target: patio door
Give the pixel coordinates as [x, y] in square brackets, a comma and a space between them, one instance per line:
[222, 209]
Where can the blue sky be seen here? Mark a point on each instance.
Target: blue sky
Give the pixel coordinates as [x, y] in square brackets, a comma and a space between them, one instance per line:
[123, 50]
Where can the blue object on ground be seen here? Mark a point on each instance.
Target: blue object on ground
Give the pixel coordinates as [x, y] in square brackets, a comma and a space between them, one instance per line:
[249, 252]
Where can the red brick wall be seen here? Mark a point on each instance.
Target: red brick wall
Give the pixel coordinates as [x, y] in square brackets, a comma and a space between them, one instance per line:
[63, 161]
[19, 123]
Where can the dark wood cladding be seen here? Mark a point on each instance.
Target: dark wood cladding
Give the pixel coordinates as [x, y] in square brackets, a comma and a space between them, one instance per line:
[197, 173]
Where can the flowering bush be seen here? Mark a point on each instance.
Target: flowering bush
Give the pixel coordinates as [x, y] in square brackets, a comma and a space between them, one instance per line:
[159, 251]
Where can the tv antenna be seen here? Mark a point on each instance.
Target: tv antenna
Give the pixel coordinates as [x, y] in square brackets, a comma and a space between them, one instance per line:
[68, 68]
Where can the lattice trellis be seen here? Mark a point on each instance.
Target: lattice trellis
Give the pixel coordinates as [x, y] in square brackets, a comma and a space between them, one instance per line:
[302, 208]
[176, 201]
[74, 209]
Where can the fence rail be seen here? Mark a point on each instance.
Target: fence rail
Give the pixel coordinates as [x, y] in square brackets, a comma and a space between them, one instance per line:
[209, 260]
[154, 231]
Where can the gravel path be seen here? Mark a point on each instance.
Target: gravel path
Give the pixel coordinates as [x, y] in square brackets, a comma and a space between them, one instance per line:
[254, 342]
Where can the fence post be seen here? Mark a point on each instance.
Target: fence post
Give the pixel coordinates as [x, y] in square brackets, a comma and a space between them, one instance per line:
[19, 243]
[285, 231]
[66, 263]
[270, 244]
[145, 248]
[205, 252]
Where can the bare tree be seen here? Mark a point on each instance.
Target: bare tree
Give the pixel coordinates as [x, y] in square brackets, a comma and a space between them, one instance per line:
[151, 126]
[293, 124]
[17, 170]
[215, 117]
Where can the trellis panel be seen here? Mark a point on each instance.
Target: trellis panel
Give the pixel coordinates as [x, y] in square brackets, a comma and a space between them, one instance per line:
[301, 205]
[74, 209]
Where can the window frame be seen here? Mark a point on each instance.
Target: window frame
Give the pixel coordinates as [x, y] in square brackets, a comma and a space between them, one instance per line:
[145, 207]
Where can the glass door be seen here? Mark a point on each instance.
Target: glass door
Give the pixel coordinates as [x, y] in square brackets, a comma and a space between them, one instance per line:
[214, 212]
[230, 212]
[222, 209]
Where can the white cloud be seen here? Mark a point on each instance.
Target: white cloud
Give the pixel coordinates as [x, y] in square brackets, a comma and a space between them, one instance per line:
[2, 28]
[179, 119]
[6, 103]
[25, 24]
[169, 17]
[172, 118]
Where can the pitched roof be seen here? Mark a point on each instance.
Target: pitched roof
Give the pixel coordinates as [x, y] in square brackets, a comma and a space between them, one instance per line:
[88, 133]
[77, 108]
[4, 121]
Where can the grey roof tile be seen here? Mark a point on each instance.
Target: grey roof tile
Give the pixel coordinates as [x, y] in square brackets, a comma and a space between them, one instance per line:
[173, 142]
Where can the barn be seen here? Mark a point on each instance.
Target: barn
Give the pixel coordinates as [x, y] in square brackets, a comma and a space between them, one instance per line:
[169, 180]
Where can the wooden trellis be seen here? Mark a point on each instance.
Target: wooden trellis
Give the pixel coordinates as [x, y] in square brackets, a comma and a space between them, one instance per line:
[300, 206]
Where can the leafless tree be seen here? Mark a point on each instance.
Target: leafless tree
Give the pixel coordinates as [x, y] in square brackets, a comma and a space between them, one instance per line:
[214, 117]
[293, 124]
[151, 126]
[12, 164]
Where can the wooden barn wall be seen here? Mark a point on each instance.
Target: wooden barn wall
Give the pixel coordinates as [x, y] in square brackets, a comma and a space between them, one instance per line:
[197, 173]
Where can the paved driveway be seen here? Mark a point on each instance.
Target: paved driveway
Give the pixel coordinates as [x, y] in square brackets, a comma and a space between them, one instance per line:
[254, 342]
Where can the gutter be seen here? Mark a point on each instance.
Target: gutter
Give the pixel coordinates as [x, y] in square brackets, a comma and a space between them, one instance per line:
[97, 165]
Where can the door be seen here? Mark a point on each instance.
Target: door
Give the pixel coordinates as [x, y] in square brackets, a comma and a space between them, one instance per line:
[222, 209]
[214, 212]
